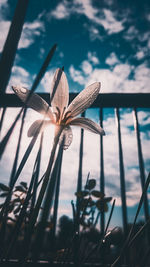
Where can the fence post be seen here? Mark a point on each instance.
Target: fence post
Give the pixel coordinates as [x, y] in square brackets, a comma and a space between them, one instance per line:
[122, 176]
[79, 183]
[102, 179]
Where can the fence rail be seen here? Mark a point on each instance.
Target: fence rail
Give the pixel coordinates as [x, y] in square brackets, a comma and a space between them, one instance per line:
[112, 100]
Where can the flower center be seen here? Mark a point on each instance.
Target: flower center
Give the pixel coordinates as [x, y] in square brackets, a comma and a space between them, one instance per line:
[62, 118]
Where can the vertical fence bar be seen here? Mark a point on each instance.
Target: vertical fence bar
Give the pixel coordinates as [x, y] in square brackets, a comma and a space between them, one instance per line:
[79, 183]
[10, 47]
[141, 162]
[122, 176]
[102, 179]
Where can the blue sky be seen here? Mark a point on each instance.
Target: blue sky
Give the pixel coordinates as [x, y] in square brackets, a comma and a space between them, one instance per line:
[106, 41]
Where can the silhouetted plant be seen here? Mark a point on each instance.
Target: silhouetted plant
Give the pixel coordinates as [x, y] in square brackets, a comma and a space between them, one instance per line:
[91, 203]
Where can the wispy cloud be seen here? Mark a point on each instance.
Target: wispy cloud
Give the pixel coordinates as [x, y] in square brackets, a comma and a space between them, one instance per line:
[3, 7]
[112, 59]
[104, 17]
[117, 78]
[29, 33]
[4, 26]
[30, 29]
[92, 57]
[19, 76]
[61, 11]
[139, 41]
[131, 33]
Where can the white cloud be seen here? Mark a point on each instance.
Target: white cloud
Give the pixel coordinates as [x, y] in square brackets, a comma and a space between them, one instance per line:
[20, 77]
[93, 32]
[3, 2]
[140, 54]
[122, 70]
[29, 32]
[148, 17]
[76, 75]
[144, 118]
[142, 37]
[4, 26]
[61, 55]
[20, 71]
[61, 11]
[47, 80]
[112, 59]
[86, 67]
[131, 33]
[110, 23]
[93, 58]
[105, 17]
[116, 79]
[3, 7]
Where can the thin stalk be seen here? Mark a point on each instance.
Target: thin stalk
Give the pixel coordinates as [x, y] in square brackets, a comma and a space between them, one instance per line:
[110, 216]
[133, 225]
[2, 118]
[40, 199]
[4, 210]
[5, 139]
[56, 201]
[101, 242]
[30, 195]
[36, 174]
[20, 219]
[145, 258]
[34, 86]
[48, 202]
[18, 148]
[139, 232]
[23, 161]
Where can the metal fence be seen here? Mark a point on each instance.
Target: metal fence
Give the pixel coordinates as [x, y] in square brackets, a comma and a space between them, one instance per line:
[115, 101]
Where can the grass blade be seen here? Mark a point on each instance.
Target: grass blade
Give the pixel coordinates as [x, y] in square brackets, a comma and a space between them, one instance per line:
[5, 140]
[34, 86]
[43, 68]
[48, 202]
[35, 213]
[135, 218]
[17, 150]
[110, 216]
[26, 156]
[36, 173]
[2, 118]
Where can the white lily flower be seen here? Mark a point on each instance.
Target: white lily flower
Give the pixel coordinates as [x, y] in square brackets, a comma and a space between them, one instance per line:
[60, 114]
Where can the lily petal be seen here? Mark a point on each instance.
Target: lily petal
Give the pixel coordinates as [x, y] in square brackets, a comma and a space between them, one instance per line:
[83, 100]
[88, 125]
[35, 102]
[59, 91]
[67, 133]
[35, 127]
